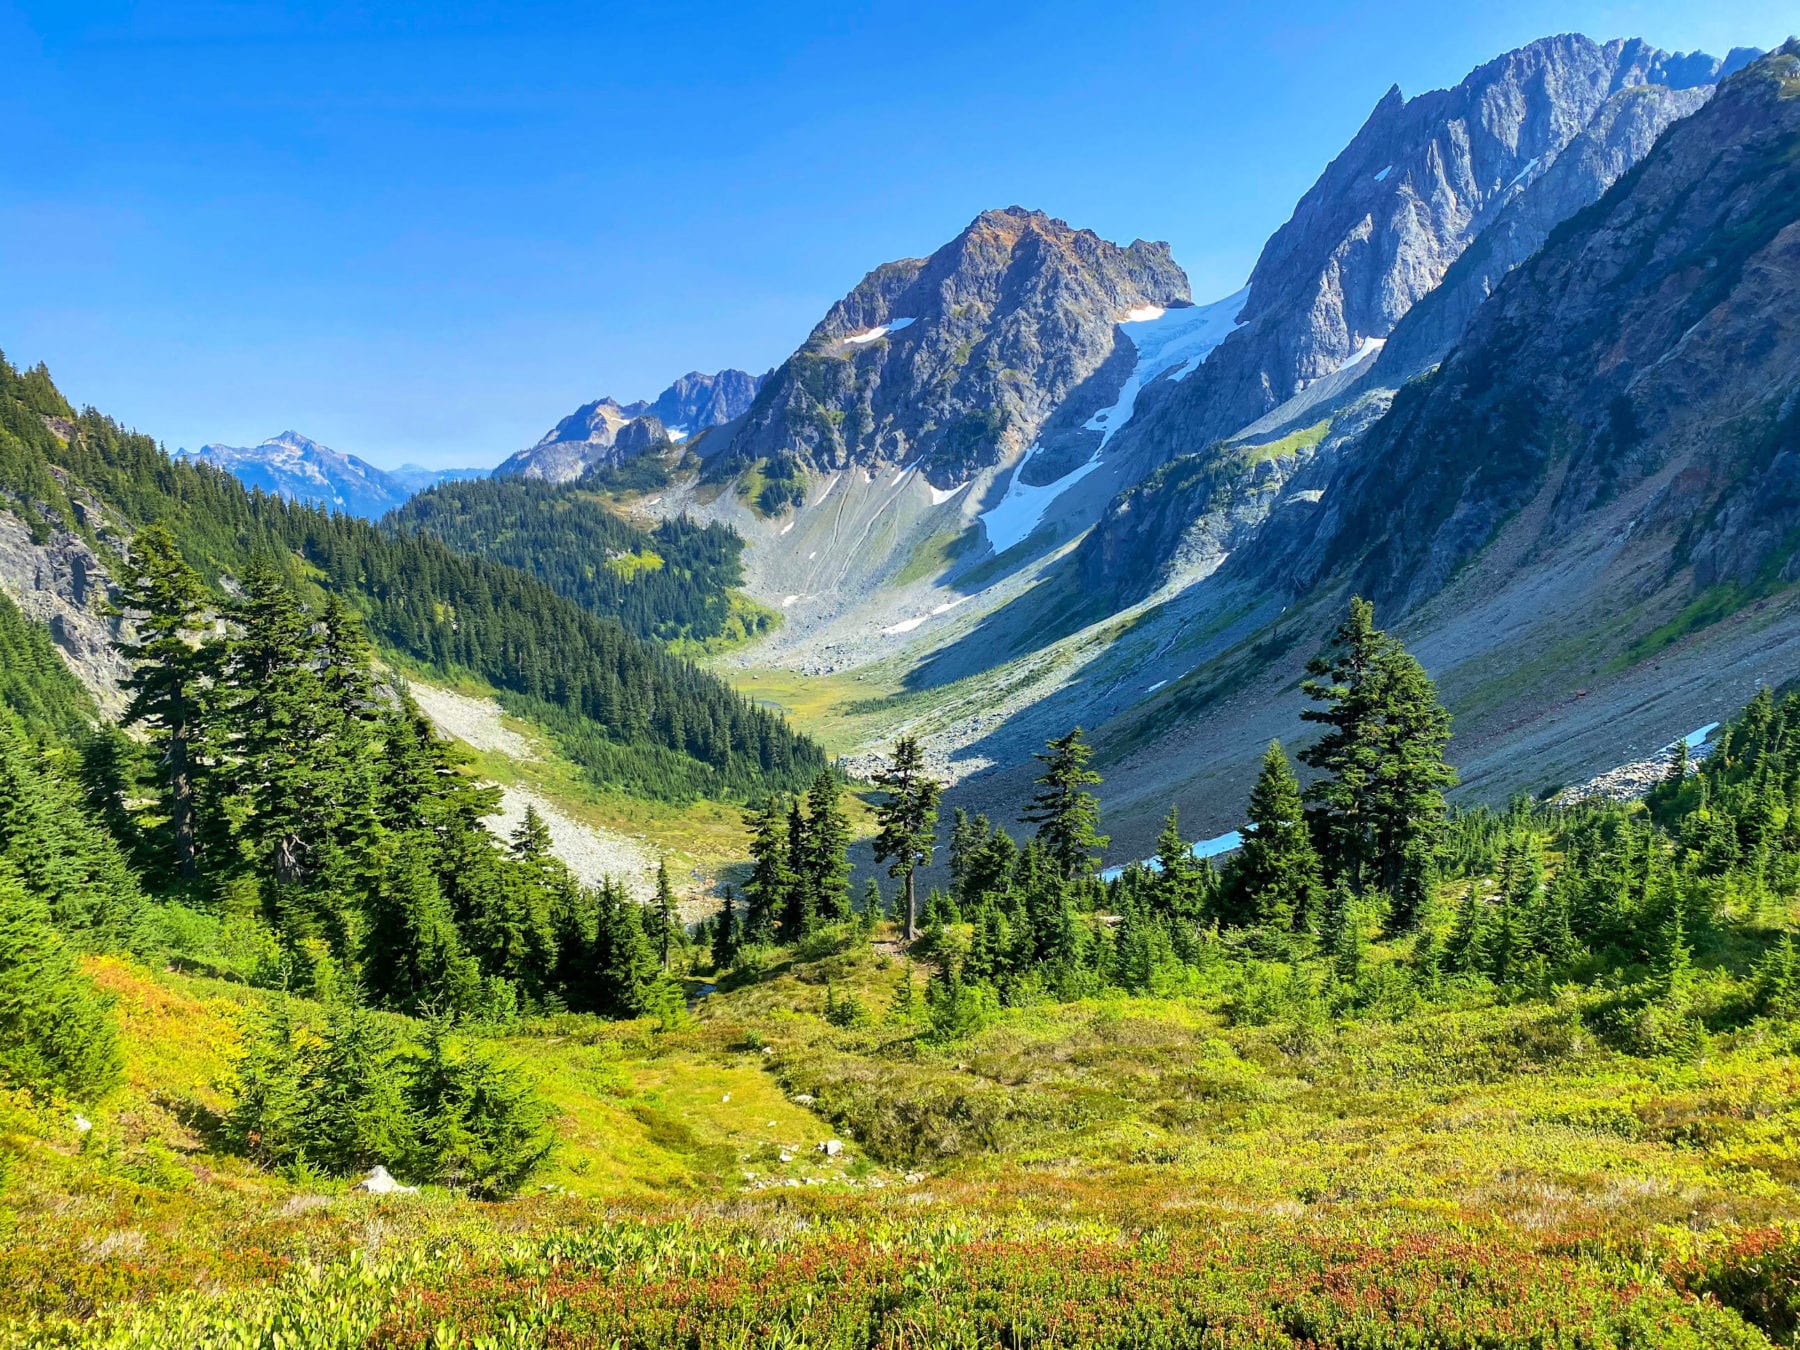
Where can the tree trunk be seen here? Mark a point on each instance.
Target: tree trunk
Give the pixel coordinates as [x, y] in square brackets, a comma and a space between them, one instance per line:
[912, 907]
[181, 801]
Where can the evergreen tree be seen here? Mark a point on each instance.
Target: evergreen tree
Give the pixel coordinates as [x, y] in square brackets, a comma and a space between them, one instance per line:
[164, 599]
[412, 957]
[1674, 958]
[771, 879]
[1066, 814]
[1276, 871]
[906, 821]
[800, 906]
[827, 850]
[1380, 793]
[725, 934]
[667, 920]
[56, 1032]
[1465, 950]
[1177, 893]
[482, 1129]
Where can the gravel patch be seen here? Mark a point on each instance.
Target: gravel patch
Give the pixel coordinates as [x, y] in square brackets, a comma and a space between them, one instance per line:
[592, 854]
[475, 722]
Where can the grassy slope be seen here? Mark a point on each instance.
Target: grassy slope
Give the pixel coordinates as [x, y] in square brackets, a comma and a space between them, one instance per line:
[1527, 1156]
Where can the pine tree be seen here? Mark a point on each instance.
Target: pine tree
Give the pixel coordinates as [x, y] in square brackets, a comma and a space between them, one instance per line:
[1465, 950]
[412, 956]
[665, 912]
[163, 597]
[906, 821]
[1674, 958]
[482, 1128]
[56, 1032]
[1276, 871]
[800, 906]
[1066, 814]
[827, 850]
[725, 934]
[1380, 793]
[1177, 891]
[771, 879]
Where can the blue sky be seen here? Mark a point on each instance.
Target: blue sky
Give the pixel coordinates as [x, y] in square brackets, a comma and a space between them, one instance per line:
[426, 232]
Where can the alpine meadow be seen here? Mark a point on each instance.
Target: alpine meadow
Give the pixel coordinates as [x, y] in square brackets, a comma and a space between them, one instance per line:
[1067, 813]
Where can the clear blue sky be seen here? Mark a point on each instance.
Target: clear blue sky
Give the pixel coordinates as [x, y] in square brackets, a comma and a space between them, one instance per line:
[428, 231]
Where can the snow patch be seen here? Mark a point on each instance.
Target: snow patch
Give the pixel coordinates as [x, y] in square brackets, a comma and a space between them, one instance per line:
[1368, 347]
[812, 555]
[830, 483]
[1143, 314]
[1696, 739]
[1522, 174]
[677, 433]
[790, 525]
[1175, 339]
[1151, 689]
[787, 600]
[904, 626]
[941, 495]
[948, 605]
[881, 331]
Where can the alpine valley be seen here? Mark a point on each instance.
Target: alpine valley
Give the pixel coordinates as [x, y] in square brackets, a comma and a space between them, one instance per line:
[1068, 813]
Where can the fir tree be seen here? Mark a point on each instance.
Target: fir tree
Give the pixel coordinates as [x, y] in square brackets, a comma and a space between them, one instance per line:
[412, 957]
[906, 821]
[667, 920]
[1066, 814]
[163, 597]
[56, 1032]
[482, 1129]
[725, 934]
[1380, 793]
[1276, 871]
[771, 879]
[827, 850]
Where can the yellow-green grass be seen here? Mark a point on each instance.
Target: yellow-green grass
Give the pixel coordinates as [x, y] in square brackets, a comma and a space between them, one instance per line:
[1291, 444]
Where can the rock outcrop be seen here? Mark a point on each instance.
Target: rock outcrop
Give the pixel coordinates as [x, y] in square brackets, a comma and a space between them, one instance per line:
[608, 433]
[1421, 181]
[955, 361]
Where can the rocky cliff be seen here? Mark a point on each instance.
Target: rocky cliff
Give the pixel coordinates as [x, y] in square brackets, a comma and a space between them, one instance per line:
[956, 361]
[1654, 340]
[1421, 181]
[607, 433]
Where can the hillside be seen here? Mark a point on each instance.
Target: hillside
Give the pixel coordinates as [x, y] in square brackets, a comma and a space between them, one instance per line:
[1551, 1105]
[630, 713]
[674, 580]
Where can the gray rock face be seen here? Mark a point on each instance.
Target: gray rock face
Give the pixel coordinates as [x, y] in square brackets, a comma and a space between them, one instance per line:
[63, 584]
[1420, 182]
[1656, 338]
[957, 360]
[1618, 136]
[607, 433]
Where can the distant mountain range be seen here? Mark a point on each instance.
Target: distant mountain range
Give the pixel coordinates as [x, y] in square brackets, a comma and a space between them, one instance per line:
[300, 469]
[606, 432]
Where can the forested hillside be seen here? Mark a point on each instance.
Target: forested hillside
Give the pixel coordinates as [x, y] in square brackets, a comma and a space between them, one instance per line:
[631, 714]
[673, 581]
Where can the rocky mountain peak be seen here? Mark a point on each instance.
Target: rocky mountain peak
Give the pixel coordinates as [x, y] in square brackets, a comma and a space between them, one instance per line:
[956, 360]
[1419, 182]
[606, 432]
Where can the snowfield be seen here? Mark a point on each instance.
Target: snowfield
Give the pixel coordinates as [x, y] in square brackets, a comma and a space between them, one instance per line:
[1166, 340]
